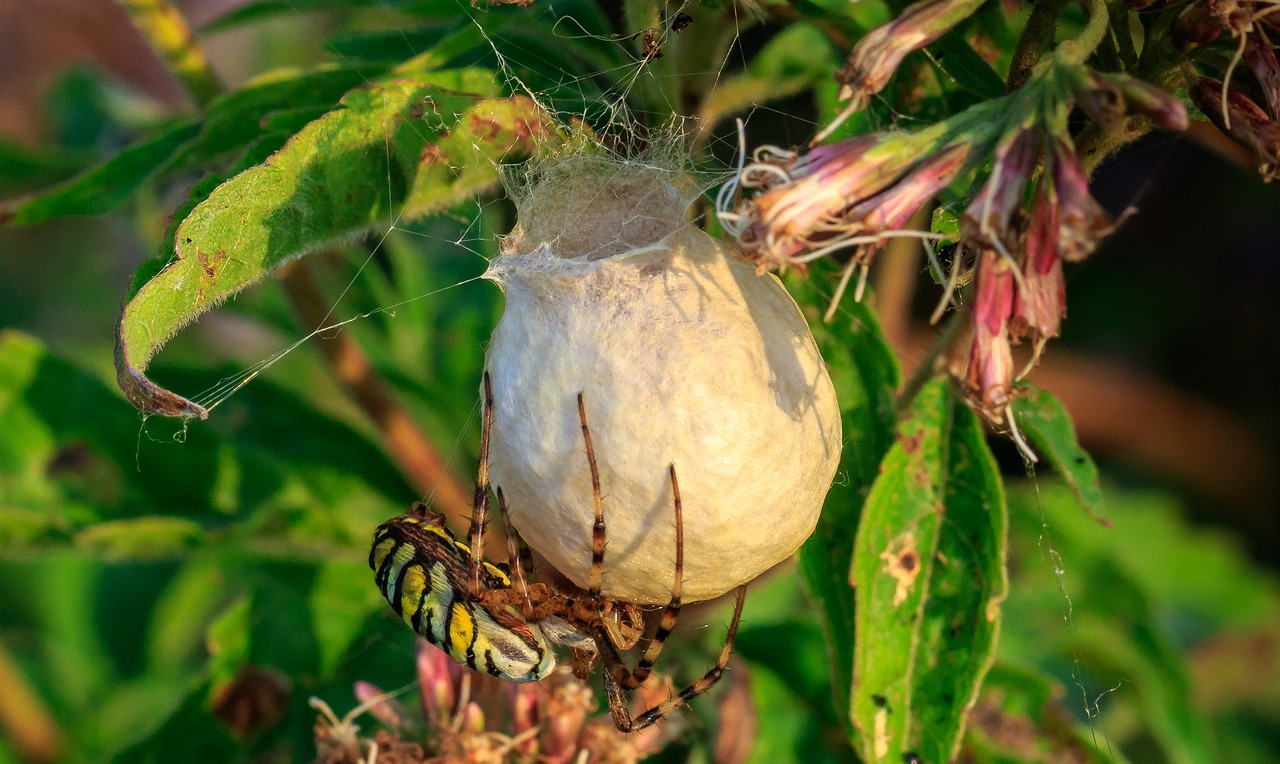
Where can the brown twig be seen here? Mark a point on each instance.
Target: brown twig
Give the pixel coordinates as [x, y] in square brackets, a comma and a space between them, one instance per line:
[408, 446]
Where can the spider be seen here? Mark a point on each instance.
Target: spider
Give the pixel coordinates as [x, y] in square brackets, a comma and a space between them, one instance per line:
[492, 618]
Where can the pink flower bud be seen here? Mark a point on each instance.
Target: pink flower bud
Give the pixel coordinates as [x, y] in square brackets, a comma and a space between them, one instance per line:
[522, 700]
[472, 719]
[435, 683]
[388, 711]
[876, 57]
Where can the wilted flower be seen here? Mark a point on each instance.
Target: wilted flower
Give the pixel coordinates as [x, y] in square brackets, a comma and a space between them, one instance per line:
[845, 194]
[1261, 58]
[988, 379]
[876, 57]
[1097, 96]
[1039, 305]
[989, 216]
[1244, 121]
[1081, 220]
[552, 721]
[1160, 106]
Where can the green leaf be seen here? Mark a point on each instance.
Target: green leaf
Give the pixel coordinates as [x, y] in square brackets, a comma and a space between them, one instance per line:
[791, 62]
[102, 188]
[1048, 425]
[234, 120]
[1019, 719]
[929, 568]
[390, 46]
[865, 373]
[340, 176]
[955, 58]
[261, 10]
[140, 537]
[23, 168]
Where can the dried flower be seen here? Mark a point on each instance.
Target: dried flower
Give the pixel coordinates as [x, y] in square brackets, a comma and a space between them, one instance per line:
[1244, 121]
[876, 57]
[1261, 58]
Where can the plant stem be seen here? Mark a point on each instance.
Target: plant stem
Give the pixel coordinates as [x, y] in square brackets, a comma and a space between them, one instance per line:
[1036, 38]
[168, 32]
[1077, 51]
[927, 367]
[416, 457]
[27, 723]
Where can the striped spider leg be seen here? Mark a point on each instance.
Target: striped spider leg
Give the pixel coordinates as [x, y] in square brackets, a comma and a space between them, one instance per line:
[494, 618]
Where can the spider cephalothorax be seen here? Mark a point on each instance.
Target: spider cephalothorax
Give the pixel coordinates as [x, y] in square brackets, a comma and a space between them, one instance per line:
[492, 618]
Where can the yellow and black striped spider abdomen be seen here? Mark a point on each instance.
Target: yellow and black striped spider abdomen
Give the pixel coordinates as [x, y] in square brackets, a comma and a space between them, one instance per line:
[423, 570]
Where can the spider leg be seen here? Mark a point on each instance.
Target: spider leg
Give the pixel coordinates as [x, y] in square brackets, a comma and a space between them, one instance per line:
[596, 578]
[519, 558]
[617, 701]
[634, 678]
[480, 502]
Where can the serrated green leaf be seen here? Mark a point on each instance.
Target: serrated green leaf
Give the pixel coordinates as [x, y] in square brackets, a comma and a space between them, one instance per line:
[140, 537]
[929, 570]
[865, 373]
[341, 175]
[102, 188]
[1048, 426]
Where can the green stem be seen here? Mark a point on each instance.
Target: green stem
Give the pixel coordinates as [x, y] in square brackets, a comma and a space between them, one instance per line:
[1077, 51]
[927, 369]
[168, 32]
[1123, 36]
[1036, 38]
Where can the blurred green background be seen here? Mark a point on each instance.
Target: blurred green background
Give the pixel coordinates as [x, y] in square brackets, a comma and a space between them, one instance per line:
[145, 564]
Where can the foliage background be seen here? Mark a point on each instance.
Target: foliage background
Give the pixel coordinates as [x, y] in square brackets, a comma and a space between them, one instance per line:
[143, 567]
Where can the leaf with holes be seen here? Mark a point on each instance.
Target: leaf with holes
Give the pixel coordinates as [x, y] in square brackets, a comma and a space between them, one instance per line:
[392, 149]
[929, 569]
[1048, 425]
